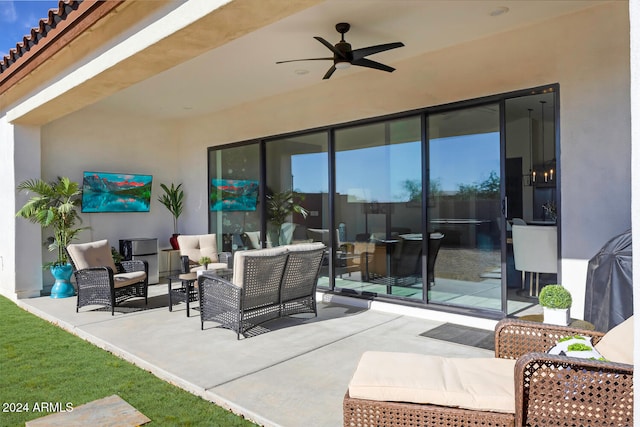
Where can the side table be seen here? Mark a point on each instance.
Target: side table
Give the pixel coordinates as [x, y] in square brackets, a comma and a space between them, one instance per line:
[187, 291]
[574, 323]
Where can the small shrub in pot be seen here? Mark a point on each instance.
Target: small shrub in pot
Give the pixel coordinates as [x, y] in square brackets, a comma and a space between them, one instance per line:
[556, 302]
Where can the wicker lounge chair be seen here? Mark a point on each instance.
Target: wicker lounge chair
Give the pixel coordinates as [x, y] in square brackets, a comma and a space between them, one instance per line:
[194, 247]
[549, 390]
[100, 281]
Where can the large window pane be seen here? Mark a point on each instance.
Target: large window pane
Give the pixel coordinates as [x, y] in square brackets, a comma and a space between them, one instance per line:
[297, 192]
[464, 206]
[531, 175]
[234, 211]
[378, 208]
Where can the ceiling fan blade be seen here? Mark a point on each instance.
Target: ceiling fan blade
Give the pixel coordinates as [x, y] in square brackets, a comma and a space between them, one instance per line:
[331, 47]
[372, 64]
[366, 51]
[308, 59]
[329, 73]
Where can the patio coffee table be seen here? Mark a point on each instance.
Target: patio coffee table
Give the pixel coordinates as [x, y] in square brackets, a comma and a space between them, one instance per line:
[188, 290]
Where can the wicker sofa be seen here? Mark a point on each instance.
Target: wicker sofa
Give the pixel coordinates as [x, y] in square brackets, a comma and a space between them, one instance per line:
[546, 390]
[100, 281]
[266, 284]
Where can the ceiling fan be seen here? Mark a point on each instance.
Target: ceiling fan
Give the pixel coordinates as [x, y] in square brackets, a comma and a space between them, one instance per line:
[344, 56]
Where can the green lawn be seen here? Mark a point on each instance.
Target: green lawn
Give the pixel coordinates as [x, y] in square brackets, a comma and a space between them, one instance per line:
[40, 362]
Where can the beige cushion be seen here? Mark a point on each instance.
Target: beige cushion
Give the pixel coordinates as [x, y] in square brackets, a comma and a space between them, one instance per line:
[240, 257]
[617, 344]
[198, 246]
[92, 254]
[126, 279]
[485, 384]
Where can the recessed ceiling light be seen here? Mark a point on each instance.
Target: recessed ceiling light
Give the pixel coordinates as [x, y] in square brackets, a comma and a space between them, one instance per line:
[499, 11]
[301, 72]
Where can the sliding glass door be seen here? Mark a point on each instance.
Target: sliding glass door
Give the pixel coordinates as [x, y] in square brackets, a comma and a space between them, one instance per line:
[420, 208]
[378, 209]
[297, 192]
[234, 180]
[531, 195]
[464, 207]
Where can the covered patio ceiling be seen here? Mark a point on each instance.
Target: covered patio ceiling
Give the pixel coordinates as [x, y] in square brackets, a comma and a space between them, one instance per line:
[243, 68]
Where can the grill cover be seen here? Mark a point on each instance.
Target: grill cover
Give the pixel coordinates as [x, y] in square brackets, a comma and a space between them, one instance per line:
[609, 291]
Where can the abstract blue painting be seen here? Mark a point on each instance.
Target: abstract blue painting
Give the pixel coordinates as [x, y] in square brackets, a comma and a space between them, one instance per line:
[115, 192]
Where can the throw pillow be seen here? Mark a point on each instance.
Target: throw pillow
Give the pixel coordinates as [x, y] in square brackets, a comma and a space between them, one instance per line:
[576, 346]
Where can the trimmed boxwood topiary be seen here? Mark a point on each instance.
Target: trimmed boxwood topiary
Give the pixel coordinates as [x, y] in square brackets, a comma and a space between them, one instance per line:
[555, 296]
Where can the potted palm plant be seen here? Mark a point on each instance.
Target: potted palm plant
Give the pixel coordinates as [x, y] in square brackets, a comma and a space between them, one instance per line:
[556, 302]
[172, 199]
[53, 205]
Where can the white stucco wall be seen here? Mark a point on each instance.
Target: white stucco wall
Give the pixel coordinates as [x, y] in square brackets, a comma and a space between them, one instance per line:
[86, 141]
[20, 258]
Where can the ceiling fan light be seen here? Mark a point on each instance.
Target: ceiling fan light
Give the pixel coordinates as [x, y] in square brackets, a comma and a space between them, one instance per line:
[342, 65]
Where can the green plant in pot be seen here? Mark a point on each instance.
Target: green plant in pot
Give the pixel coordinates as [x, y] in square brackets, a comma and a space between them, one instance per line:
[280, 206]
[172, 199]
[205, 261]
[556, 302]
[53, 206]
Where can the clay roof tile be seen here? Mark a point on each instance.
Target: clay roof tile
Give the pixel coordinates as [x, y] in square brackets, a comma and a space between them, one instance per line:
[54, 16]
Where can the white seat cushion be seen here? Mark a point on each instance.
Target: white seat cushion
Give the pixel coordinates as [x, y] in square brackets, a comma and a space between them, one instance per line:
[485, 384]
[126, 279]
[211, 266]
[617, 344]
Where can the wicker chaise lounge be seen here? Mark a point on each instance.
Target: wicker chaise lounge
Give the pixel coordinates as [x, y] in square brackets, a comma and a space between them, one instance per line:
[100, 281]
[546, 390]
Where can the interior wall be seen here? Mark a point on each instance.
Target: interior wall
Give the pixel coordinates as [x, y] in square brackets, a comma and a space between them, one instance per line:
[587, 53]
[88, 141]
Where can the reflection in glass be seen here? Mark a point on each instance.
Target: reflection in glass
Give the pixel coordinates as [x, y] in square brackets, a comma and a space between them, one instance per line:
[378, 208]
[297, 192]
[464, 206]
[530, 188]
[234, 215]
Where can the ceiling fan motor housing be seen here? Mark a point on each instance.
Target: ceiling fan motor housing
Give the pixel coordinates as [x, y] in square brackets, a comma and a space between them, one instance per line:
[342, 27]
[347, 54]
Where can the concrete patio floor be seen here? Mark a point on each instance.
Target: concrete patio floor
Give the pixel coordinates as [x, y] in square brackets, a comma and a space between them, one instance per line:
[293, 374]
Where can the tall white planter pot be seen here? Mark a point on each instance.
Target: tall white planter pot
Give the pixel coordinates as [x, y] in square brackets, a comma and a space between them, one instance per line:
[556, 316]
